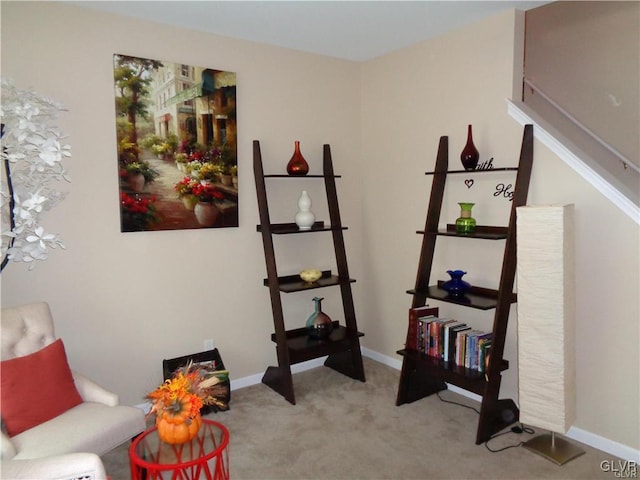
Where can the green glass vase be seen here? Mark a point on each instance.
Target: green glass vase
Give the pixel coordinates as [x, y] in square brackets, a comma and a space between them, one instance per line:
[465, 224]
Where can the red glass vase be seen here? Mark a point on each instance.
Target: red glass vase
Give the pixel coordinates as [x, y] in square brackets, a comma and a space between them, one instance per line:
[297, 166]
[469, 155]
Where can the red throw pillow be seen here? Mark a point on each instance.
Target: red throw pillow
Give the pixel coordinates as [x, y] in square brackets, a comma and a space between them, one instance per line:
[36, 388]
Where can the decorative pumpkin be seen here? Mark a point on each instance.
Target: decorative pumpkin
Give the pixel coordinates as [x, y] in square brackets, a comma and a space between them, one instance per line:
[177, 403]
[180, 409]
[175, 433]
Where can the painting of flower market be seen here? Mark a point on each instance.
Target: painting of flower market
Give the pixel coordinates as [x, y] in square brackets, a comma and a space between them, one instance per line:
[177, 150]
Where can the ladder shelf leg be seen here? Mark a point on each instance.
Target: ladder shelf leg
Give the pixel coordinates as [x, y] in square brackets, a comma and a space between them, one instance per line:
[348, 363]
[415, 383]
[279, 379]
[501, 414]
[495, 414]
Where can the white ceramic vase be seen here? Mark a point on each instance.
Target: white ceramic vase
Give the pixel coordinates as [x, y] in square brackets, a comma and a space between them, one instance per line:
[305, 217]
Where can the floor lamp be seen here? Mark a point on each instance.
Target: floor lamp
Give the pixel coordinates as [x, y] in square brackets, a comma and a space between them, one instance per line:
[546, 326]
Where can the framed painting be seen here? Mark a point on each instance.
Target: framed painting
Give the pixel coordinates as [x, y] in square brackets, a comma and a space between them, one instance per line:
[177, 149]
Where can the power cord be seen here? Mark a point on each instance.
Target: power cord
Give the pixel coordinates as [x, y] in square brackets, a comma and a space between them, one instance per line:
[515, 429]
[457, 403]
[518, 429]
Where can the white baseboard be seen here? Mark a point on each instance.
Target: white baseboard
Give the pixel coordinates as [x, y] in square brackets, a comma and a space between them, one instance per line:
[380, 358]
[255, 379]
[604, 444]
[246, 381]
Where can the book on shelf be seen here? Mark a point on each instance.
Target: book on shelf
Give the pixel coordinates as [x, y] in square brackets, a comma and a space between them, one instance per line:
[453, 342]
[446, 356]
[430, 335]
[484, 344]
[448, 340]
[424, 342]
[439, 342]
[470, 348]
[412, 332]
[475, 345]
[480, 339]
[433, 337]
[461, 342]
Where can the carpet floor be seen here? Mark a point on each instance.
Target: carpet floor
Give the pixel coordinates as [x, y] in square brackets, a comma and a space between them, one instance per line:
[345, 429]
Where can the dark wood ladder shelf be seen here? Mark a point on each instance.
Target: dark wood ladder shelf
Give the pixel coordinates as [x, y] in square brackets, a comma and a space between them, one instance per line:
[423, 375]
[342, 347]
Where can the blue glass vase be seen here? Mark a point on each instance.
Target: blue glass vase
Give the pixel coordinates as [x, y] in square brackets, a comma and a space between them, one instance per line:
[319, 325]
[456, 287]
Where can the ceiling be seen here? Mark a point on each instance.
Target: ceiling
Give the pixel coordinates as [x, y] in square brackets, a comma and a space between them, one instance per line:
[351, 30]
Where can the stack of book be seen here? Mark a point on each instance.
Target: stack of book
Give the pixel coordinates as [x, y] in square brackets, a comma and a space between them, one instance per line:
[448, 340]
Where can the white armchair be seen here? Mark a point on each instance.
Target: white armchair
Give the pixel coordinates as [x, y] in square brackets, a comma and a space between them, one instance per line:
[69, 445]
[70, 466]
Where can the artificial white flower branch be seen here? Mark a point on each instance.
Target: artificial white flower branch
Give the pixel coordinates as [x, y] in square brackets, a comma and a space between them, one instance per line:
[32, 152]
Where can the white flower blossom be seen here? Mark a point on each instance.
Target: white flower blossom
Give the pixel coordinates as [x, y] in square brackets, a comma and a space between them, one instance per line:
[34, 150]
[41, 238]
[35, 202]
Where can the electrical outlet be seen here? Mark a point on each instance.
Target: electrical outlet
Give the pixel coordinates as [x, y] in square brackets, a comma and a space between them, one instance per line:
[208, 344]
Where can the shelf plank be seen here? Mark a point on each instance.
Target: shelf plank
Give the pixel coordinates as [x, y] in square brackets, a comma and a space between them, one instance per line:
[293, 283]
[486, 232]
[288, 228]
[472, 172]
[284, 175]
[462, 377]
[301, 347]
[477, 297]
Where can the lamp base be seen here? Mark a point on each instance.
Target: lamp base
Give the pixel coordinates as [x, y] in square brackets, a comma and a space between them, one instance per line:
[553, 448]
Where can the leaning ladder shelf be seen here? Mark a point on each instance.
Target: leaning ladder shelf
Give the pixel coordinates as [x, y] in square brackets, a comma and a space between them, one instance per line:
[342, 348]
[422, 375]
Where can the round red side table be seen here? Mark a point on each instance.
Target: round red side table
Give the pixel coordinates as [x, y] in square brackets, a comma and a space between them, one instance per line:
[205, 456]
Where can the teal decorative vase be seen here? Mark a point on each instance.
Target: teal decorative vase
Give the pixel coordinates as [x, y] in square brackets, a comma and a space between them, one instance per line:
[319, 324]
[456, 287]
[465, 224]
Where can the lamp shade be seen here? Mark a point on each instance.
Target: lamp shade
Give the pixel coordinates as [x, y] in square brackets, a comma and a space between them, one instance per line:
[546, 316]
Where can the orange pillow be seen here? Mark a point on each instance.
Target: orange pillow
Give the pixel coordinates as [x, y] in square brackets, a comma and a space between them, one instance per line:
[36, 388]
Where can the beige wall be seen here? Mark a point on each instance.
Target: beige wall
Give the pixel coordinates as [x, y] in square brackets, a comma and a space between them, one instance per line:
[594, 77]
[437, 88]
[596, 73]
[124, 302]
[432, 89]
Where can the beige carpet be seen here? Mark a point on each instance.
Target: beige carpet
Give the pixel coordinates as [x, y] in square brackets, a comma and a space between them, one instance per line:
[345, 429]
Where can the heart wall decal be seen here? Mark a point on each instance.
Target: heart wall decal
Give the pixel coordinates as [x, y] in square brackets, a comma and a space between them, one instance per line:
[469, 183]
